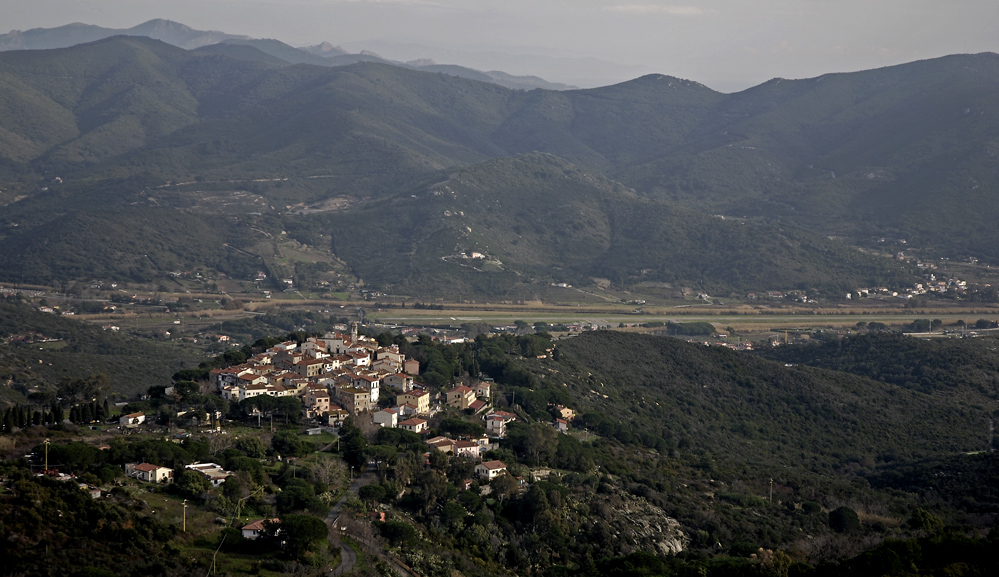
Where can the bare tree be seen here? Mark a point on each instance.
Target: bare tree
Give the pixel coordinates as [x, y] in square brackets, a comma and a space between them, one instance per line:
[207, 388]
[217, 444]
[368, 428]
[359, 529]
[329, 469]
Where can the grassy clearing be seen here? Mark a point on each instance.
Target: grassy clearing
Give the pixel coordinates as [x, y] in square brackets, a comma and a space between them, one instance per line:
[169, 508]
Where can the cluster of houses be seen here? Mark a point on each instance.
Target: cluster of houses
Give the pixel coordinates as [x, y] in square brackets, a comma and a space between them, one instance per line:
[414, 407]
[931, 284]
[334, 376]
[473, 449]
[342, 375]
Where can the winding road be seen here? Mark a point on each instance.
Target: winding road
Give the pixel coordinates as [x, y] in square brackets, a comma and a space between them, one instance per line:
[348, 557]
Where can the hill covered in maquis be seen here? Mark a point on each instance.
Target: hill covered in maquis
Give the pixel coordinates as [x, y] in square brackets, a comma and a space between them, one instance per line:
[933, 366]
[712, 435]
[125, 124]
[538, 217]
[41, 352]
[672, 394]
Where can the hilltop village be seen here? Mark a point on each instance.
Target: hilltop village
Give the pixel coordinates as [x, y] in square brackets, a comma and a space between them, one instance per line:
[350, 375]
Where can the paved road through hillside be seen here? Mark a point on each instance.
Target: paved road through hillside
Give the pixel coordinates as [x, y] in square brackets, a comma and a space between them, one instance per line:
[348, 557]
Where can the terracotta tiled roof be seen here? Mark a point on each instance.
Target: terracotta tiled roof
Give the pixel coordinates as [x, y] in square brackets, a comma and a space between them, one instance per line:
[258, 525]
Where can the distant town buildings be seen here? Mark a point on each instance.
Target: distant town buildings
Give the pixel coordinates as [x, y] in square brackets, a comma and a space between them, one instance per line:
[334, 376]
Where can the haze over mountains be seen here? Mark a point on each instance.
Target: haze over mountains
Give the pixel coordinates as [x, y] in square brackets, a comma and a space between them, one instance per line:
[79, 33]
[231, 142]
[182, 36]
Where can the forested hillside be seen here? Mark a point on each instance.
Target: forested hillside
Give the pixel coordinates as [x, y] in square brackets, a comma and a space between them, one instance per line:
[934, 366]
[40, 352]
[538, 216]
[747, 409]
[126, 122]
[711, 429]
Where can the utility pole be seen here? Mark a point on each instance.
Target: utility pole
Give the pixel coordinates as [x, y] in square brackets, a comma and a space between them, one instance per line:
[771, 490]
[185, 515]
[46, 456]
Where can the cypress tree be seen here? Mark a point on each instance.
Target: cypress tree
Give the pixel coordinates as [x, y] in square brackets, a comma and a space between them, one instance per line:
[74, 414]
[57, 412]
[36, 418]
[8, 421]
[85, 415]
[107, 409]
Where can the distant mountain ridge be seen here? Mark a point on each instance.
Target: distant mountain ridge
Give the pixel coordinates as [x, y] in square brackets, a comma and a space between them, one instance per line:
[130, 123]
[182, 36]
[325, 49]
[79, 33]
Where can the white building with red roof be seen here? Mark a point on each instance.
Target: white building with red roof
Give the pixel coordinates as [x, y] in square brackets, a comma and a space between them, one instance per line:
[132, 419]
[259, 527]
[490, 469]
[416, 425]
[149, 473]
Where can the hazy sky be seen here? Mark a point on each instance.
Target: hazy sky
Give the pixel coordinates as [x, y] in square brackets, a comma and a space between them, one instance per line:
[726, 44]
